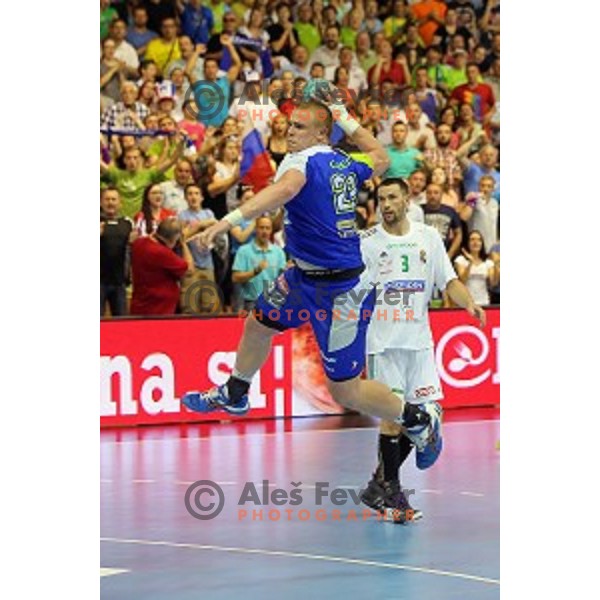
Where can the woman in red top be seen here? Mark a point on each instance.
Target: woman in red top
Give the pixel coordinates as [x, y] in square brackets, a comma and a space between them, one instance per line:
[386, 69]
[152, 213]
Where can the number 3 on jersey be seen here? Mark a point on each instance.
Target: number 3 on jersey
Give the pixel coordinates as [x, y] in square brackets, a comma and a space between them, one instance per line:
[345, 191]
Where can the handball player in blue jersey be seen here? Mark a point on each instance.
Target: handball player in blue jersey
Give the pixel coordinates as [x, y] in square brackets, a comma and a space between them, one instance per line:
[318, 187]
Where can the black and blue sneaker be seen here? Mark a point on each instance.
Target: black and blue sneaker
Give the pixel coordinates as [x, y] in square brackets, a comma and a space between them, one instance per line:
[427, 438]
[388, 498]
[215, 399]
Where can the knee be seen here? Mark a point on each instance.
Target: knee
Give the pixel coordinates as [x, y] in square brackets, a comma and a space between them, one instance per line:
[257, 329]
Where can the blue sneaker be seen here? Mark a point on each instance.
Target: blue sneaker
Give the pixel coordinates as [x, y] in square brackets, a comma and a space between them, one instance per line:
[428, 439]
[215, 399]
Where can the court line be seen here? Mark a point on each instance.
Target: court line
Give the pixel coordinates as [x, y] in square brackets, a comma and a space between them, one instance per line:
[323, 557]
[107, 572]
[262, 435]
[474, 494]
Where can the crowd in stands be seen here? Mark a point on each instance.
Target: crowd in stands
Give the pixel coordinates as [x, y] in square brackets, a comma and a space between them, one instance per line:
[183, 82]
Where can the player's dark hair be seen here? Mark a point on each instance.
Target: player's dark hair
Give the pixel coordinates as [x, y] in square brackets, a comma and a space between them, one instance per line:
[401, 183]
[191, 185]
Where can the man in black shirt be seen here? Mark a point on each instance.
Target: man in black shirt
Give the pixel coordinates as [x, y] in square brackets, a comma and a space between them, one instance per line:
[116, 233]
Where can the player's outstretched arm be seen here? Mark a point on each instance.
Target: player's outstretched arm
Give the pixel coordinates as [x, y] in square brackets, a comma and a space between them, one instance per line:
[267, 200]
[461, 296]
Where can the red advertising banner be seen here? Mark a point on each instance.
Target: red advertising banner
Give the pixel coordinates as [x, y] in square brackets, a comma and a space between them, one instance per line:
[146, 365]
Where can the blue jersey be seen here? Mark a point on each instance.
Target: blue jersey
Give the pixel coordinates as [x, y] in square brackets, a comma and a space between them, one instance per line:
[320, 223]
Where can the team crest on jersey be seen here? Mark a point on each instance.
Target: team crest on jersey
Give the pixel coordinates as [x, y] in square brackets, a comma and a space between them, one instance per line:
[384, 263]
[423, 256]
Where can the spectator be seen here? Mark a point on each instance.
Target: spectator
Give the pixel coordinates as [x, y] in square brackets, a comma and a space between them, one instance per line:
[139, 35]
[157, 270]
[429, 99]
[116, 232]
[194, 130]
[128, 113]
[277, 142]
[481, 210]
[447, 29]
[419, 136]
[394, 27]
[488, 156]
[158, 10]
[437, 73]
[470, 133]
[187, 49]
[174, 190]
[329, 53]
[357, 80]
[476, 270]
[444, 219]
[413, 45]
[258, 263]
[222, 189]
[107, 14]
[387, 69]
[448, 117]
[254, 50]
[212, 104]
[449, 196]
[443, 156]
[148, 72]
[164, 49]
[416, 187]
[376, 120]
[493, 55]
[167, 146]
[197, 219]
[219, 9]
[493, 78]
[196, 20]
[349, 31]
[215, 49]
[124, 51]
[479, 95]
[495, 287]
[132, 180]
[282, 35]
[403, 159]
[341, 80]
[111, 73]
[299, 66]
[152, 212]
[317, 71]
[429, 15]
[366, 56]
[457, 73]
[308, 33]
[148, 97]
[372, 24]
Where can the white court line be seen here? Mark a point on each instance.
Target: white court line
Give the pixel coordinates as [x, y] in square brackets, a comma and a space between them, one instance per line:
[191, 482]
[323, 557]
[474, 494]
[143, 481]
[262, 435]
[107, 572]
[430, 491]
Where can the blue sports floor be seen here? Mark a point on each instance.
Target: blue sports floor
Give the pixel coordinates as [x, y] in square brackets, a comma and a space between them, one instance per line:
[152, 548]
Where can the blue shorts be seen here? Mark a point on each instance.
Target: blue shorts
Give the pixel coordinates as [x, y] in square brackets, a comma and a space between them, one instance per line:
[339, 312]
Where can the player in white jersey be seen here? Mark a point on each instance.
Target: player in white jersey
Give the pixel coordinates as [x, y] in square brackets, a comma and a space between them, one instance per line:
[404, 259]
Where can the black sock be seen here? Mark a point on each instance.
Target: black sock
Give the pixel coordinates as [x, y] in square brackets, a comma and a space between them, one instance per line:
[405, 447]
[412, 416]
[236, 389]
[389, 457]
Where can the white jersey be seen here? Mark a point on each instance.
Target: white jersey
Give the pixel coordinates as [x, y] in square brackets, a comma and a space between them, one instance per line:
[404, 270]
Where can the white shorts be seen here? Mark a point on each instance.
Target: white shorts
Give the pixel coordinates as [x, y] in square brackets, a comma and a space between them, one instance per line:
[411, 372]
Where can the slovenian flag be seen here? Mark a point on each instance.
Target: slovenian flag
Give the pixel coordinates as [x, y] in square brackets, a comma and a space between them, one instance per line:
[256, 169]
